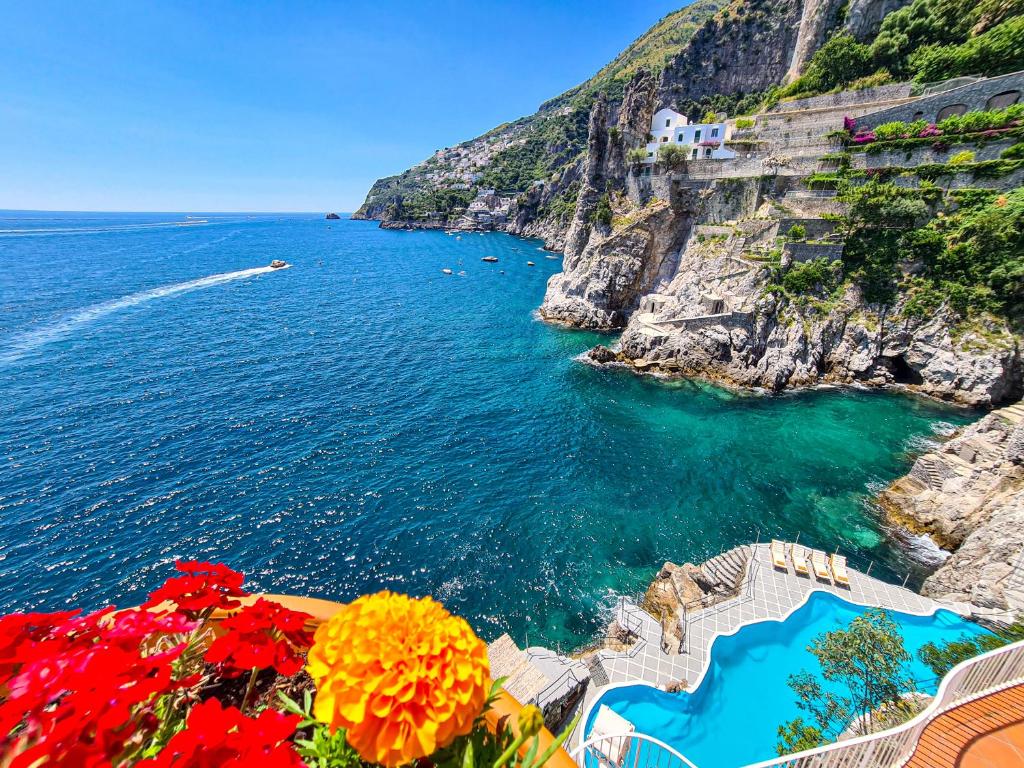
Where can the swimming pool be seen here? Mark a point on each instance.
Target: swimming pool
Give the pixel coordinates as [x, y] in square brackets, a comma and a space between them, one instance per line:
[731, 719]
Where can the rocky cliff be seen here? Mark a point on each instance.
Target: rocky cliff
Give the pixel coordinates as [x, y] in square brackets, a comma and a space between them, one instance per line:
[968, 495]
[747, 47]
[539, 158]
[776, 345]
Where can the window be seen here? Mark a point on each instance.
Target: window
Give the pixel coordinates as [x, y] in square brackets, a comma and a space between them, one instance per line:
[664, 139]
[696, 137]
[650, 154]
[707, 152]
[679, 137]
[668, 123]
[694, 155]
[714, 133]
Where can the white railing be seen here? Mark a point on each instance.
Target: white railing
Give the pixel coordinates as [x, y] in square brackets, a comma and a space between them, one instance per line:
[971, 679]
[628, 750]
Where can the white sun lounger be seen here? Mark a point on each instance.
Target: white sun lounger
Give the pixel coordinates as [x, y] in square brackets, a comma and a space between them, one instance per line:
[838, 565]
[820, 565]
[613, 730]
[799, 555]
[778, 550]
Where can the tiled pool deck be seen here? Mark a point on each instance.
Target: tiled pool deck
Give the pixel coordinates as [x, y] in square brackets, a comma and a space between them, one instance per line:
[765, 593]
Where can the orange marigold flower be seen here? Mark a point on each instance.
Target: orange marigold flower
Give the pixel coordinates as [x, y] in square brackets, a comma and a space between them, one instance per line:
[402, 676]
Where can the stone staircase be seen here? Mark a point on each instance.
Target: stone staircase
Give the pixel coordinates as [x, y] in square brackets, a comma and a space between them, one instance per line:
[525, 681]
[727, 570]
[598, 674]
[927, 471]
[1013, 413]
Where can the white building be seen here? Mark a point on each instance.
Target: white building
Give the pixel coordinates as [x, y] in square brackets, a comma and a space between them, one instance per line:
[702, 141]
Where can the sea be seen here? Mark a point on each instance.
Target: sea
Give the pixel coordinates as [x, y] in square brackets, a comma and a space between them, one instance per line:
[360, 421]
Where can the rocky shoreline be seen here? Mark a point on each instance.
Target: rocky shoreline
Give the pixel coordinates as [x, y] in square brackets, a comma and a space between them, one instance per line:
[968, 496]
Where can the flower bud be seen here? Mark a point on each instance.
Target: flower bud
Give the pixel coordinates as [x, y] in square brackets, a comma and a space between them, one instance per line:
[530, 720]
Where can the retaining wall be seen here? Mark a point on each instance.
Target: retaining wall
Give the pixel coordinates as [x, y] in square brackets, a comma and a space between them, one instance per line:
[706, 321]
[816, 228]
[804, 252]
[974, 96]
[908, 158]
[849, 98]
[964, 180]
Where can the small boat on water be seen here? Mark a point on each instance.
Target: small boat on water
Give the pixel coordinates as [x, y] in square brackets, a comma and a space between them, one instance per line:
[530, 264]
[278, 264]
[489, 259]
[549, 256]
[446, 271]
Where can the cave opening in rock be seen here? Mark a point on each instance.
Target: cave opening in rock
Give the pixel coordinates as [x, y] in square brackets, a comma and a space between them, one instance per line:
[903, 373]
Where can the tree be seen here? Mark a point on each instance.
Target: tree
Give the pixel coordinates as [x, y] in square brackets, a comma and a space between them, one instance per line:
[838, 62]
[709, 117]
[881, 217]
[672, 155]
[636, 155]
[841, 60]
[940, 659]
[997, 51]
[797, 232]
[865, 667]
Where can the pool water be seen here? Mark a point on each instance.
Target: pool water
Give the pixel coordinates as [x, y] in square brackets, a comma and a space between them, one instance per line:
[732, 718]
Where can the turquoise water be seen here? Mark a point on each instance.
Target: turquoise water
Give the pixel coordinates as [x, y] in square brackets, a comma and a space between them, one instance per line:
[732, 718]
[362, 421]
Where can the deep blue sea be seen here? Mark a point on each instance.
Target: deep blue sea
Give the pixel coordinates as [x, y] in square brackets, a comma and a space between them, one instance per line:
[362, 421]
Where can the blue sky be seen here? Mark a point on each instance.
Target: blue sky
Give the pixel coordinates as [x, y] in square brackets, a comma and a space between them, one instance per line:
[259, 106]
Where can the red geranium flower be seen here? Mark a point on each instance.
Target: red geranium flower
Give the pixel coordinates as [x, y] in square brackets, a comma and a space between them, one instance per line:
[83, 687]
[215, 737]
[262, 635]
[205, 588]
[26, 636]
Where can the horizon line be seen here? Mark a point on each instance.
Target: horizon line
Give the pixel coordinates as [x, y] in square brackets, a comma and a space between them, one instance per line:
[115, 210]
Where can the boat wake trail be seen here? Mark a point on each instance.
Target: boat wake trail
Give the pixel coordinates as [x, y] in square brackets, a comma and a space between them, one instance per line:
[31, 340]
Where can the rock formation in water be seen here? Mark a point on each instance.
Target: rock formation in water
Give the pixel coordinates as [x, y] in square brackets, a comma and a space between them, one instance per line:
[968, 495]
[773, 346]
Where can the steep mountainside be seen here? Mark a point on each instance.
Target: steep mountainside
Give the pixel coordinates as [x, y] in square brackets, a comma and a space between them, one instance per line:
[544, 147]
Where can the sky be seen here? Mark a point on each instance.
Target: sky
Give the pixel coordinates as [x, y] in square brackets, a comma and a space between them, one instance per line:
[143, 105]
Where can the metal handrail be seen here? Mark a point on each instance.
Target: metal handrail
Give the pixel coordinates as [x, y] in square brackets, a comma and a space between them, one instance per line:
[608, 752]
[569, 672]
[636, 627]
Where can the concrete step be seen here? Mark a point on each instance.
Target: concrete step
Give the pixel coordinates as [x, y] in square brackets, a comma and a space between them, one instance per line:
[727, 568]
[598, 674]
[1013, 413]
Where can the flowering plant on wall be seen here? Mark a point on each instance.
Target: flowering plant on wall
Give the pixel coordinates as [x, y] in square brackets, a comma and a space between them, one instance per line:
[203, 674]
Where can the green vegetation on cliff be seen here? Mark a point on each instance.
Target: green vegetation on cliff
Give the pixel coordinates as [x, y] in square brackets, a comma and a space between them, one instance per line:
[919, 232]
[927, 40]
[651, 51]
[964, 248]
